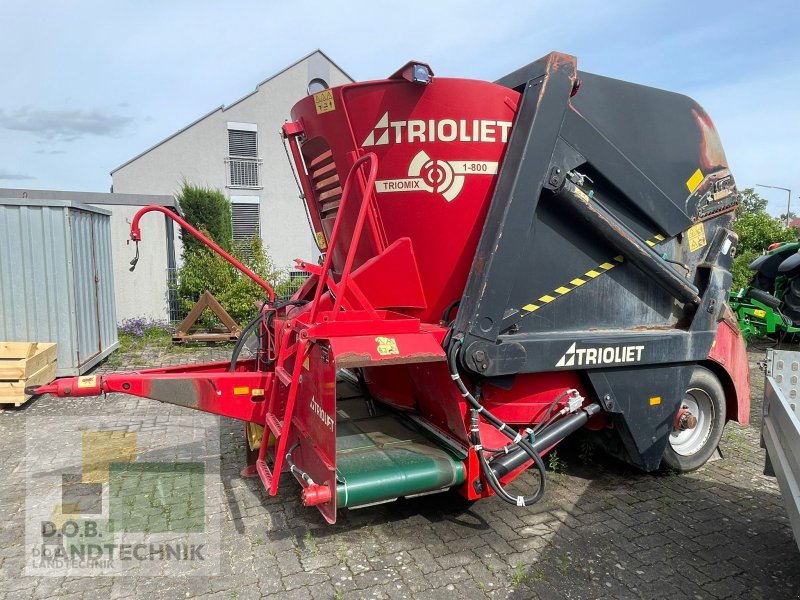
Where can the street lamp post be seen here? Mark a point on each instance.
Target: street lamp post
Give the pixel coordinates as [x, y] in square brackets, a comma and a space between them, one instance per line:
[789, 200]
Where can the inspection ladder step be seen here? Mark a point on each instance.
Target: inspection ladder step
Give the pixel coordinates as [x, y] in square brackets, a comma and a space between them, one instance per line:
[274, 424]
[283, 375]
[264, 473]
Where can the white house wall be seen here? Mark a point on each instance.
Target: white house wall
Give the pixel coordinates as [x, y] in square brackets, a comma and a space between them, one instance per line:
[143, 292]
[197, 154]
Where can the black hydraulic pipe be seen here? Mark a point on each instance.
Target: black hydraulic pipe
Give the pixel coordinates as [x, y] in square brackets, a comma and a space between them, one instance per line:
[506, 463]
[616, 233]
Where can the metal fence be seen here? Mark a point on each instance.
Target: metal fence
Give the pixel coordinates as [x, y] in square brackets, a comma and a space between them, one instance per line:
[243, 172]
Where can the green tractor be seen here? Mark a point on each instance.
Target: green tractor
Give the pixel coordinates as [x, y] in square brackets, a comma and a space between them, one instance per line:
[770, 305]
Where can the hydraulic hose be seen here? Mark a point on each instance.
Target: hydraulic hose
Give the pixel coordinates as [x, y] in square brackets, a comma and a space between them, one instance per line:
[237, 349]
[517, 438]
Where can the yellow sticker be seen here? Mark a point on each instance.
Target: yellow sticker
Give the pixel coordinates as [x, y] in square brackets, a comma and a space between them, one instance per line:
[241, 391]
[655, 400]
[324, 101]
[759, 313]
[259, 392]
[87, 381]
[321, 243]
[697, 236]
[387, 345]
[307, 363]
[691, 183]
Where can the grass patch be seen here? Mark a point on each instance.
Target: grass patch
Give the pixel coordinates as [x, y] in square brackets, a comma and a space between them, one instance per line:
[520, 576]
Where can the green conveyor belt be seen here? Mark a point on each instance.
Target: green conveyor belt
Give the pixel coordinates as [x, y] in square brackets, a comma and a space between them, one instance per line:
[381, 456]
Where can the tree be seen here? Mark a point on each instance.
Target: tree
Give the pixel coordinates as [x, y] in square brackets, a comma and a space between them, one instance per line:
[204, 270]
[209, 211]
[756, 230]
[750, 202]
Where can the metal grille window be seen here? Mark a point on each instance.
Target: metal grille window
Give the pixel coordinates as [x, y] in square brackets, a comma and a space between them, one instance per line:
[244, 172]
[243, 164]
[246, 219]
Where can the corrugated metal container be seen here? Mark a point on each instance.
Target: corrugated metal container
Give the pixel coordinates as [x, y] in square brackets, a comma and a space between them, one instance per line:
[56, 279]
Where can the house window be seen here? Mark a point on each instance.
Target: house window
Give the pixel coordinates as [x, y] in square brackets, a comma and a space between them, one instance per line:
[243, 164]
[317, 85]
[246, 217]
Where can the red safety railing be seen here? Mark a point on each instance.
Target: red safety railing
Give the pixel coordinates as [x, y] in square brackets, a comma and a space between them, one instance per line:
[368, 207]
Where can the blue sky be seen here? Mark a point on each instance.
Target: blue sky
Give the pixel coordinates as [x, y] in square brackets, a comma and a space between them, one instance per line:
[88, 85]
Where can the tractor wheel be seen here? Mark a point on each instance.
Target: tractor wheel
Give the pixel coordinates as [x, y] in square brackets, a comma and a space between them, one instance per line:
[764, 297]
[689, 448]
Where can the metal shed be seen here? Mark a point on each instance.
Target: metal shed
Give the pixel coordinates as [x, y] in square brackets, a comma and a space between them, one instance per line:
[56, 279]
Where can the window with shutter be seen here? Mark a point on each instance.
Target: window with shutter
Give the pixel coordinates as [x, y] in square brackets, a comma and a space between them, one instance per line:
[246, 218]
[243, 143]
[243, 164]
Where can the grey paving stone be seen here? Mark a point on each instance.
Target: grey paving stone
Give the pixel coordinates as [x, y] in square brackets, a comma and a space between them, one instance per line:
[604, 530]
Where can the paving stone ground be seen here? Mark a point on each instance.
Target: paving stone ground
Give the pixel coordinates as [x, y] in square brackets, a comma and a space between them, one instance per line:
[604, 530]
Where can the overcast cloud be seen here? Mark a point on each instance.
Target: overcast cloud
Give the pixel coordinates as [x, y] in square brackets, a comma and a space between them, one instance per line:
[6, 176]
[87, 85]
[63, 125]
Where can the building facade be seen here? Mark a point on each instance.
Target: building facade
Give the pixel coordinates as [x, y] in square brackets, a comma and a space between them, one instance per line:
[238, 149]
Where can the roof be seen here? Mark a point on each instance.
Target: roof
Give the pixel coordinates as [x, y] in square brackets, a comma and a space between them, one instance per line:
[15, 202]
[222, 107]
[89, 197]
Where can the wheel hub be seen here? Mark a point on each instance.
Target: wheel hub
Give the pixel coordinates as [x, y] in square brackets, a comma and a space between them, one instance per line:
[693, 423]
[685, 420]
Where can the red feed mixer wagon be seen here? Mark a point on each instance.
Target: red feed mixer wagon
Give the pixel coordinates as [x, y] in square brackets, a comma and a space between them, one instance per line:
[503, 264]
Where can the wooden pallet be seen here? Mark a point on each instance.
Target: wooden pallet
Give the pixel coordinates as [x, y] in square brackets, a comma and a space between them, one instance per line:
[23, 364]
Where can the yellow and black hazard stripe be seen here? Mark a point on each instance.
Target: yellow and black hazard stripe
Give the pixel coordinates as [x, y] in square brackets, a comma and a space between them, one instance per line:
[574, 284]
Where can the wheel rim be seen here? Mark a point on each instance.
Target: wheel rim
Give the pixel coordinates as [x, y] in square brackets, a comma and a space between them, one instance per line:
[690, 441]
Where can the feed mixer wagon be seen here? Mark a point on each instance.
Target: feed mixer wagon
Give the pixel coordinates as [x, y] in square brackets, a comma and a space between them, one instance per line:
[503, 264]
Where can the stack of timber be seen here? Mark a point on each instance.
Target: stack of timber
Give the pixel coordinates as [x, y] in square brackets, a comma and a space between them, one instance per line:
[24, 364]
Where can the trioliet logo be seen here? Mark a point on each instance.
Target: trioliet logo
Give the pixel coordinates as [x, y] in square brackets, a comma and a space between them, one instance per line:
[436, 130]
[607, 355]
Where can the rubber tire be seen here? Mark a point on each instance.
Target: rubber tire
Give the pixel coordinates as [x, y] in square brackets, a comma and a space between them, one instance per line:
[705, 380]
[764, 297]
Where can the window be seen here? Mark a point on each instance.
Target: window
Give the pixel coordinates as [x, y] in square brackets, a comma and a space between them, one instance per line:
[243, 143]
[317, 85]
[246, 217]
[243, 164]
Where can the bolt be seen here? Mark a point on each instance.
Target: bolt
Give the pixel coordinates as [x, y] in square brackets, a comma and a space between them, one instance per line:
[479, 355]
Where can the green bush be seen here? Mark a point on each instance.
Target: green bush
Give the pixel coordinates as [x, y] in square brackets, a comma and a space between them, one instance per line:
[741, 274]
[209, 211]
[204, 270]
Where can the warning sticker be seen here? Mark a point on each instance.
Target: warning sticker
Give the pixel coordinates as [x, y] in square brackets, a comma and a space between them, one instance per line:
[387, 345]
[87, 381]
[321, 243]
[696, 235]
[695, 180]
[324, 101]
